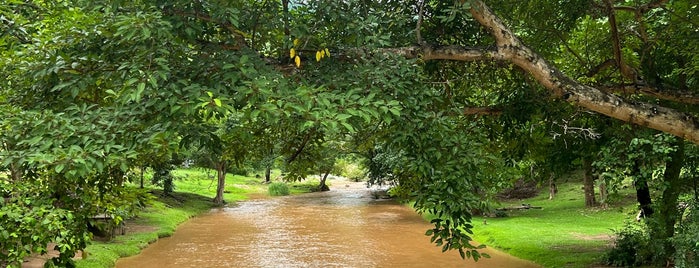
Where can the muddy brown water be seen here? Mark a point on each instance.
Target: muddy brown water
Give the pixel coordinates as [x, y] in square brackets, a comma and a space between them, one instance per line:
[344, 227]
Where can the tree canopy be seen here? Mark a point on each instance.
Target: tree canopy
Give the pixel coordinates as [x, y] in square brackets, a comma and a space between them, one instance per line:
[96, 88]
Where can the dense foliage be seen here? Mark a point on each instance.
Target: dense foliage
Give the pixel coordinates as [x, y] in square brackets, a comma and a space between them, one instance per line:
[95, 89]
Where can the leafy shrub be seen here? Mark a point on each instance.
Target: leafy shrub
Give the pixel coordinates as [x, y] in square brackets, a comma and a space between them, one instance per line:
[350, 170]
[631, 248]
[163, 177]
[278, 189]
[686, 240]
[500, 214]
[242, 171]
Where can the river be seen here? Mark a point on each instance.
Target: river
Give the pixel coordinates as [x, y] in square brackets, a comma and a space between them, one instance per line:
[344, 227]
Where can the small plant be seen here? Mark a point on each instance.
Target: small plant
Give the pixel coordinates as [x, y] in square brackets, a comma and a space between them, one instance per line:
[278, 189]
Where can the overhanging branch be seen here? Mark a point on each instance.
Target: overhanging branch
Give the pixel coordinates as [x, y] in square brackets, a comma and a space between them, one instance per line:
[681, 96]
[510, 48]
[487, 110]
[457, 53]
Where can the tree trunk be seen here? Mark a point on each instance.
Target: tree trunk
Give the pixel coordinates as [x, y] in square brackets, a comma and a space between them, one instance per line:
[221, 174]
[143, 170]
[324, 187]
[667, 210]
[15, 172]
[589, 184]
[603, 193]
[553, 189]
[642, 192]
[268, 174]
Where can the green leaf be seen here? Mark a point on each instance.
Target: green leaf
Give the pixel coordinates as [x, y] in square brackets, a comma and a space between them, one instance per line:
[59, 168]
[343, 117]
[348, 126]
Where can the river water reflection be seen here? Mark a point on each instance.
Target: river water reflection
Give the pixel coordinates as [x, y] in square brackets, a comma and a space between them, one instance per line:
[344, 227]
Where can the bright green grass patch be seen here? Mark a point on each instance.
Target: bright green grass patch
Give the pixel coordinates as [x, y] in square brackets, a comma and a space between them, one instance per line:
[204, 182]
[278, 189]
[562, 234]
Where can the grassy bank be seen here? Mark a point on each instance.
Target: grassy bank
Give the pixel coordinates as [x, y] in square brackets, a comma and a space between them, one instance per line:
[562, 234]
[158, 220]
[194, 190]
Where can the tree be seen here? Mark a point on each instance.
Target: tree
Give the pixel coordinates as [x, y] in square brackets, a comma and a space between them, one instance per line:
[408, 77]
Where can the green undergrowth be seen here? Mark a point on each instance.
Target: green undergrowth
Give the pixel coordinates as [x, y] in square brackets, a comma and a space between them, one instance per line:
[278, 189]
[562, 234]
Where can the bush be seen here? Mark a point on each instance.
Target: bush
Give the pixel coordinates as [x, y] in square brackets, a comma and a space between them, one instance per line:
[686, 240]
[631, 248]
[350, 170]
[278, 189]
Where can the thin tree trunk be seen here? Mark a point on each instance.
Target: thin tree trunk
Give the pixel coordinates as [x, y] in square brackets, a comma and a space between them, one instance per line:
[642, 192]
[324, 187]
[667, 210]
[15, 172]
[268, 174]
[221, 174]
[143, 170]
[589, 184]
[553, 189]
[603, 193]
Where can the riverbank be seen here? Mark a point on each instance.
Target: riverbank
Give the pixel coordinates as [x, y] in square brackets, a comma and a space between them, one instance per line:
[194, 190]
[344, 227]
[563, 233]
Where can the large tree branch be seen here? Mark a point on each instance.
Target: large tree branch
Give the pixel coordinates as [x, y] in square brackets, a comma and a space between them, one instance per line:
[681, 96]
[485, 110]
[510, 48]
[626, 70]
[458, 53]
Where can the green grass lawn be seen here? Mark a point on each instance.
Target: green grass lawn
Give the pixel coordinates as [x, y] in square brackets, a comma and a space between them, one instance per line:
[562, 234]
[203, 182]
